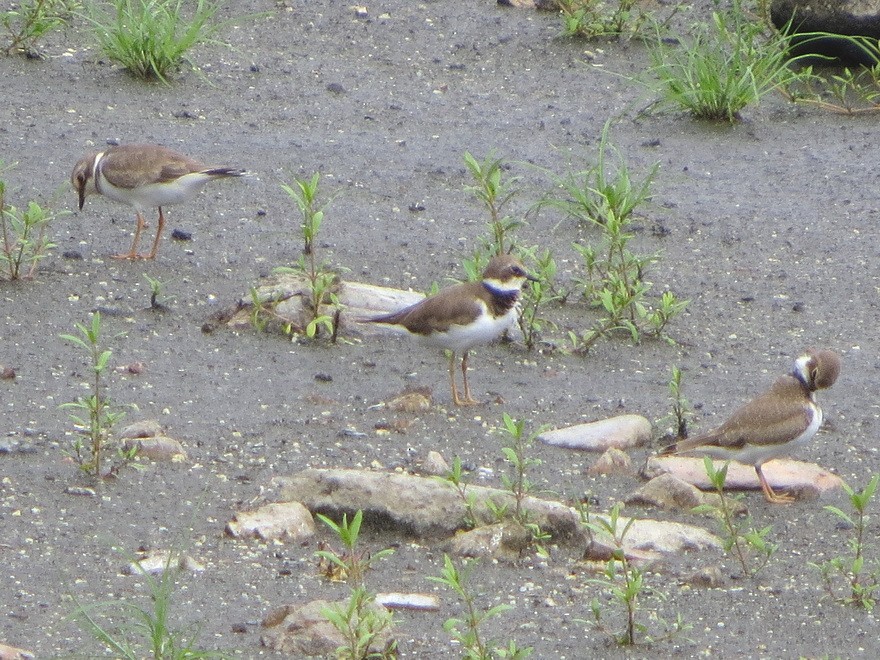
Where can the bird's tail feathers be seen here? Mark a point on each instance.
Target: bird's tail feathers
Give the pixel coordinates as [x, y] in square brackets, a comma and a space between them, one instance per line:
[688, 444]
[226, 171]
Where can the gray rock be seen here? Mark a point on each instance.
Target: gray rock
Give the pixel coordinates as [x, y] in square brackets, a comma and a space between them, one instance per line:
[649, 540]
[621, 432]
[287, 294]
[667, 492]
[146, 428]
[418, 506]
[613, 461]
[505, 540]
[431, 507]
[435, 465]
[157, 448]
[286, 520]
[709, 577]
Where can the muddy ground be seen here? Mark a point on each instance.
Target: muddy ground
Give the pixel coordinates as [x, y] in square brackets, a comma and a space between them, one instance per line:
[767, 226]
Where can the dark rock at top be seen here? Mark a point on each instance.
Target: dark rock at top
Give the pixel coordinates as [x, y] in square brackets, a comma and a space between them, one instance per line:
[840, 18]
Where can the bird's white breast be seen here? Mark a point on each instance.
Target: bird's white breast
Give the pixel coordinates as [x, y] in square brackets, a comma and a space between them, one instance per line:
[483, 331]
[149, 195]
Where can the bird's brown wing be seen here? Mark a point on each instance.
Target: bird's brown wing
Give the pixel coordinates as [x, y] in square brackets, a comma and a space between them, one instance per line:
[437, 313]
[130, 166]
[778, 423]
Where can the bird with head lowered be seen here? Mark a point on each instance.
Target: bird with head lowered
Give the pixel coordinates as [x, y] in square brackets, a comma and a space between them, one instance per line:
[772, 425]
[143, 176]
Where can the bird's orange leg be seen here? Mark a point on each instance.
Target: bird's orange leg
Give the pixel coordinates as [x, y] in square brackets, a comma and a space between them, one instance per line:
[468, 399]
[152, 254]
[769, 494]
[132, 253]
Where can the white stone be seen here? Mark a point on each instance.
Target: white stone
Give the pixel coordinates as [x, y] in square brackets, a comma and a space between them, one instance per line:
[622, 432]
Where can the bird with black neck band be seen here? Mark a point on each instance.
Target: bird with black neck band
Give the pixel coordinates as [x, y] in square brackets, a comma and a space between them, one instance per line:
[465, 315]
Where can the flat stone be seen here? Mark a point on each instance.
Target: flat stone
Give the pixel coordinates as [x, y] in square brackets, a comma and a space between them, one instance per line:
[284, 520]
[648, 540]
[287, 294]
[418, 602]
[799, 479]
[622, 432]
[667, 491]
[417, 506]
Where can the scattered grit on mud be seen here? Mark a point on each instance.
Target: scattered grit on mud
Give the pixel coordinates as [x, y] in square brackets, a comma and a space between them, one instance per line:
[768, 227]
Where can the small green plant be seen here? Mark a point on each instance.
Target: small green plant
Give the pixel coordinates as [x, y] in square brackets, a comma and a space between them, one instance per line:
[625, 586]
[146, 632]
[95, 415]
[724, 67]
[740, 536]
[608, 188]
[351, 565]
[495, 191]
[151, 38]
[618, 290]
[156, 297]
[623, 581]
[30, 20]
[467, 631]
[605, 197]
[320, 280]
[861, 583]
[455, 476]
[844, 90]
[261, 311]
[516, 454]
[590, 19]
[362, 624]
[25, 239]
[519, 484]
[849, 91]
[680, 412]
